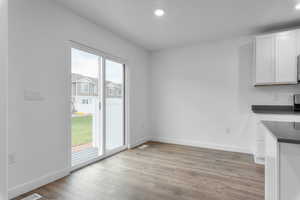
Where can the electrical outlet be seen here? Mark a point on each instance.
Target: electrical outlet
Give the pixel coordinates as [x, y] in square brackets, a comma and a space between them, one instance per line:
[228, 130]
[30, 95]
[275, 96]
[11, 159]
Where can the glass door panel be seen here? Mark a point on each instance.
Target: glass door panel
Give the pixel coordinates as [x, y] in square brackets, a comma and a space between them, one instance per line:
[85, 123]
[114, 105]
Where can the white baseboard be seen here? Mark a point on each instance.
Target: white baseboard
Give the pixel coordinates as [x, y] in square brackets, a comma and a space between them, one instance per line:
[259, 160]
[32, 185]
[202, 145]
[139, 142]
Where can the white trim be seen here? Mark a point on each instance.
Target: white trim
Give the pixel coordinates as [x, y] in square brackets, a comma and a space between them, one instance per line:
[95, 51]
[127, 105]
[4, 100]
[69, 111]
[203, 145]
[103, 106]
[139, 142]
[32, 185]
[259, 160]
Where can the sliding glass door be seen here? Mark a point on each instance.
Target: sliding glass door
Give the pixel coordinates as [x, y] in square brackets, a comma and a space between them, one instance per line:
[97, 106]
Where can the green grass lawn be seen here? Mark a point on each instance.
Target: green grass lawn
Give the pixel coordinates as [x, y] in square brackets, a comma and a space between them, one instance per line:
[82, 130]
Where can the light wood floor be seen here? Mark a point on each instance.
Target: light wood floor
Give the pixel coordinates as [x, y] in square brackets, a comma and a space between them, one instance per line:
[164, 172]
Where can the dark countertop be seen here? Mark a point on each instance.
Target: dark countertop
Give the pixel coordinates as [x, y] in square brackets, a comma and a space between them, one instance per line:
[274, 109]
[285, 132]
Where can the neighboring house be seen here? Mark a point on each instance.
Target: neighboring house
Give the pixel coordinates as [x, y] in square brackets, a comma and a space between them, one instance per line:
[85, 93]
[84, 86]
[113, 90]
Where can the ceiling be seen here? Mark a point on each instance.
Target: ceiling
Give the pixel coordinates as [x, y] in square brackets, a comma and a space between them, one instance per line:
[186, 21]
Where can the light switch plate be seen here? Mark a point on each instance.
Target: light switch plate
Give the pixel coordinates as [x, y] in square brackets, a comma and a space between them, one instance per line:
[11, 158]
[30, 95]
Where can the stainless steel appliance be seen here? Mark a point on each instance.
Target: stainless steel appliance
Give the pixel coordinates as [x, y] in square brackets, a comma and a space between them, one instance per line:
[296, 102]
[298, 68]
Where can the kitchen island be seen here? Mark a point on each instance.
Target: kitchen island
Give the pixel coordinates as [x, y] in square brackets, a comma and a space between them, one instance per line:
[282, 160]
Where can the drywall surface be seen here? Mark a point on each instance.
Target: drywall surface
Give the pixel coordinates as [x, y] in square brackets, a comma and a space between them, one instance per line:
[3, 97]
[38, 56]
[202, 95]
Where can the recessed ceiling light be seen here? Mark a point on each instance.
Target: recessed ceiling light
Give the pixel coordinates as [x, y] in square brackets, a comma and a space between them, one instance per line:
[159, 12]
[297, 7]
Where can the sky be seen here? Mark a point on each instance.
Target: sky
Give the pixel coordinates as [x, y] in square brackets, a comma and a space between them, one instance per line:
[88, 65]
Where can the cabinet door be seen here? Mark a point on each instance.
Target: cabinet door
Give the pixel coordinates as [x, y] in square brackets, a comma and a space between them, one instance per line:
[289, 171]
[286, 59]
[271, 168]
[260, 143]
[265, 60]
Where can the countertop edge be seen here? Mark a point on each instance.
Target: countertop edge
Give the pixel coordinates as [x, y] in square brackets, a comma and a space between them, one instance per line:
[274, 109]
[280, 139]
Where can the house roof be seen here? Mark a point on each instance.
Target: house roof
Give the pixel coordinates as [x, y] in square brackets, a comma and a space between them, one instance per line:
[78, 77]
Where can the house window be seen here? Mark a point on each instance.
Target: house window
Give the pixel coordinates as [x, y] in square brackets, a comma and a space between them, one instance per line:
[85, 101]
[85, 88]
[74, 92]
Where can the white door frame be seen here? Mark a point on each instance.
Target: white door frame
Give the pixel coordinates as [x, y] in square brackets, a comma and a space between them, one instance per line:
[4, 100]
[73, 44]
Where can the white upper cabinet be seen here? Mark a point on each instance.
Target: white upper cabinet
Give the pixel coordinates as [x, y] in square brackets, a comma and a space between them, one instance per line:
[276, 58]
[265, 59]
[286, 57]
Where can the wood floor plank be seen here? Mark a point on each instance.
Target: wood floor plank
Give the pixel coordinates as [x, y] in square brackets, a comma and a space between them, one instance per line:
[163, 172]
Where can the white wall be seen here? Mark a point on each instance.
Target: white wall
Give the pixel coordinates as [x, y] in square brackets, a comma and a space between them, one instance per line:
[39, 31]
[201, 95]
[3, 97]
